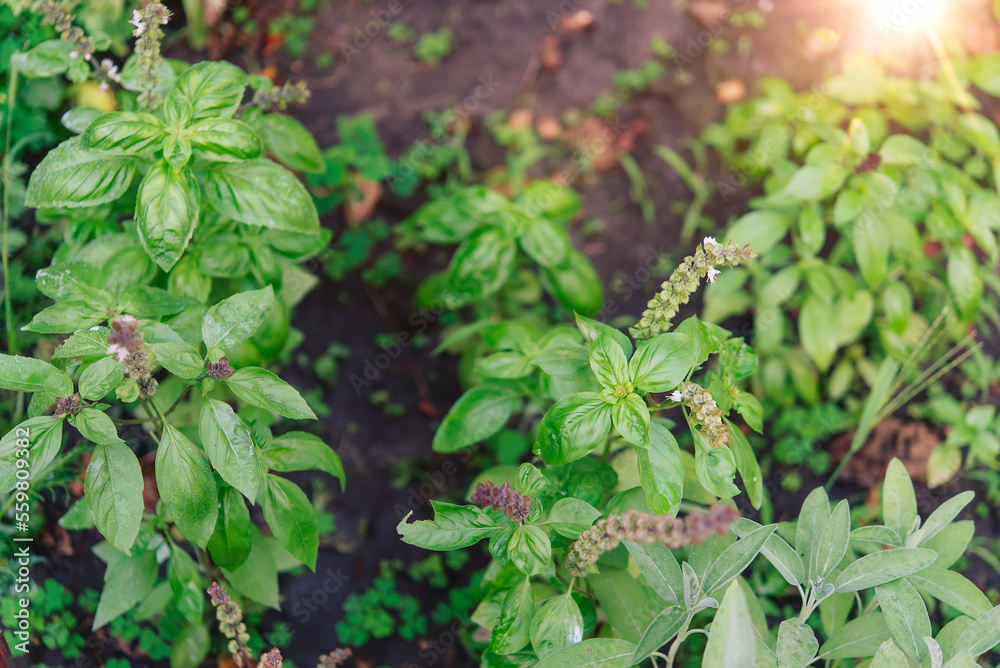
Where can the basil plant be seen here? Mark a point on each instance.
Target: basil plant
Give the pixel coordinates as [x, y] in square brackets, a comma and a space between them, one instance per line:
[499, 238]
[175, 283]
[645, 590]
[878, 213]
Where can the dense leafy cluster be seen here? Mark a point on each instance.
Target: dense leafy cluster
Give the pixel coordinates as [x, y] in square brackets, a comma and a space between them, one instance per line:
[179, 265]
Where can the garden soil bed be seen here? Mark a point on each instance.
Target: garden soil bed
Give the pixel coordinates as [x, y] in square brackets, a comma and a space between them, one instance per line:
[496, 41]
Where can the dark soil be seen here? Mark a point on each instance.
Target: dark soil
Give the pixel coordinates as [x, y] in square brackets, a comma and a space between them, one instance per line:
[496, 41]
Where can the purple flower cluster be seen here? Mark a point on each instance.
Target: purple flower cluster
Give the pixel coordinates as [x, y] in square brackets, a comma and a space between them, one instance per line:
[639, 527]
[513, 504]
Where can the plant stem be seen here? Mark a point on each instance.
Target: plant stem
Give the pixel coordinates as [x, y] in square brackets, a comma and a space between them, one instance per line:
[682, 634]
[159, 415]
[7, 168]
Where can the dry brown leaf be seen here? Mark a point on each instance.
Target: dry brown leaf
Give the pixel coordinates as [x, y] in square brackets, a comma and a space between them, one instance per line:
[710, 12]
[910, 442]
[731, 90]
[363, 199]
[548, 127]
[520, 119]
[550, 52]
[578, 21]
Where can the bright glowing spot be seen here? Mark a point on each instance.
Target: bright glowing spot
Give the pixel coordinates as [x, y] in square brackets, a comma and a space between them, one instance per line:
[904, 18]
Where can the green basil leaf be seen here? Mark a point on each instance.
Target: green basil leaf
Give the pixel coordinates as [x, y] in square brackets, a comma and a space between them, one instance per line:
[662, 362]
[134, 133]
[607, 359]
[235, 319]
[506, 365]
[145, 301]
[66, 317]
[545, 242]
[762, 230]
[751, 409]
[871, 248]
[818, 339]
[58, 385]
[166, 213]
[549, 199]
[184, 578]
[478, 414]
[73, 176]
[100, 378]
[556, 625]
[229, 448]
[24, 374]
[452, 528]
[127, 580]
[47, 59]
[302, 451]
[179, 358]
[529, 549]
[261, 192]
[292, 519]
[570, 516]
[95, 426]
[568, 362]
[69, 281]
[576, 283]
[879, 568]
[88, 343]
[661, 470]
[257, 577]
[191, 646]
[591, 329]
[41, 435]
[631, 418]
[746, 464]
[483, 263]
[292, 144]
[230, 543]
[187, 486]
[113, 486]
[262, 388]
[573, 427]
[731, 641]
[78, 517]
[511, 632]
[964, 281]
[206, 90]
[224, 140]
